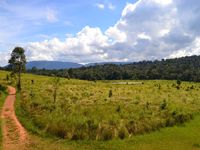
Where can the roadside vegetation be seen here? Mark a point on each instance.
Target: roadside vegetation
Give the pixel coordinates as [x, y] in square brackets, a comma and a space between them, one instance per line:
[3, 92]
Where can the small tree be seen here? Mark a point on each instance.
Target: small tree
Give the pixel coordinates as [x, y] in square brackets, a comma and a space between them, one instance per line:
[17, 62]
[110, 93]
[178, 84]
[66, 74]
[56, 83]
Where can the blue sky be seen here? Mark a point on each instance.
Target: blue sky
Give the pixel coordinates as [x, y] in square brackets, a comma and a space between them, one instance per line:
[100, 30]
[39, 19]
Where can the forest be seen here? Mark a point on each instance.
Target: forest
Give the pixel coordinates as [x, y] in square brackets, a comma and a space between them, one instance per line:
[185, 69]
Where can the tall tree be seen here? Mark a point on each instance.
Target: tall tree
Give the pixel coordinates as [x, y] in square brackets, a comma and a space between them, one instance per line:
[17, 62]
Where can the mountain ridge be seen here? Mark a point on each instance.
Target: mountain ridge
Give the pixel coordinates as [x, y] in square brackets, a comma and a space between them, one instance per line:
[52, 65]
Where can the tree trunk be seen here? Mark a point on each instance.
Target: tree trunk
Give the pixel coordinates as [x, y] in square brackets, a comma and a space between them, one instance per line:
[19, 79]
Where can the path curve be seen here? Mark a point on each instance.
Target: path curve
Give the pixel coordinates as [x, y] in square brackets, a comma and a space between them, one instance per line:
[15, 136]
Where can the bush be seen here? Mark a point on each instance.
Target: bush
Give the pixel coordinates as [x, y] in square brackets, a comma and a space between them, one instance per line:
[105, 132]
[118, 109]
[163, 105]
[110, 93]
[2, 88]
[122, 133]
[181, 118]
[178, 82]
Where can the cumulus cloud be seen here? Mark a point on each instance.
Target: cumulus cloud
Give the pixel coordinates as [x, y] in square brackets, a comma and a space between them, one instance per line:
[86, 46]
[4, 58]
[147, 29]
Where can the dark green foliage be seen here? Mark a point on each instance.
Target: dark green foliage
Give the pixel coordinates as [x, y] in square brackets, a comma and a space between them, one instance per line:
[123, 133]
[106, 134]
[178, 82]
[110, 93]
[2, 88]
[147, 105]
[17, 63]
[118, 109]
[184, 69]
[196, 145]
[163, 105]
[7, 78]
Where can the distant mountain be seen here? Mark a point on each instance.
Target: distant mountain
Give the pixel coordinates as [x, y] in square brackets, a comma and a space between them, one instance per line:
[63, 65]
[52, 65]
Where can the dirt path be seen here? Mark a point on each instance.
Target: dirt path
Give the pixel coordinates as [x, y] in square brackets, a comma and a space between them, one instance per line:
[14, 135]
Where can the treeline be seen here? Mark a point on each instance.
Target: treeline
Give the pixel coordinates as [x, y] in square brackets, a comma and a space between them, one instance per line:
[185, 69]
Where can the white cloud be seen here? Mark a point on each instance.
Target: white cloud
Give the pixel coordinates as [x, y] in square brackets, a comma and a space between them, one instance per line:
[147, 29]
[130, 7]
[85, 47]
[163, 2]
[144, 36]
[107, 5]
[193, 49]
[100, 5]
[116, 35]
[4, 58]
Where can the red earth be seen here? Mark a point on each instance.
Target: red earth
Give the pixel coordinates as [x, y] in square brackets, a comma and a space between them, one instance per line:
[15, 136]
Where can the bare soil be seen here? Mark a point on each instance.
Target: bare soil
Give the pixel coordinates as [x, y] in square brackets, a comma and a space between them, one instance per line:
[15, 136]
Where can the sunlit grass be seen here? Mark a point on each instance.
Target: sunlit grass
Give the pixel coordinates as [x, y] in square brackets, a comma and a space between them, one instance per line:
[85, 111]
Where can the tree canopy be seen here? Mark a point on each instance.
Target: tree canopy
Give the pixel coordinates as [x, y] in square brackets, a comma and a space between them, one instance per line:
[17, 63]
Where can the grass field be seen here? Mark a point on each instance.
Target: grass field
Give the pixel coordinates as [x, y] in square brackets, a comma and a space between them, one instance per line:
[98, 115]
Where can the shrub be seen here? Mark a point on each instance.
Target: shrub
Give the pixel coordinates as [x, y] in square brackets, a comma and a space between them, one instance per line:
[163, 105]
[122, 133]
[2, 88]
[181, 118]
[178, 82]
[57, 129]
[118, 109]
[92, 128]
[105, 132]
[110, 93]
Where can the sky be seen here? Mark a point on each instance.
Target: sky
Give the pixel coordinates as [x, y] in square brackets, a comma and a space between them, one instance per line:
[100, 30]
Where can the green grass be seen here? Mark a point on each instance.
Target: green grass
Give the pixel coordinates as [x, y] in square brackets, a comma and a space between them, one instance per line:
[87, 110]
[171, 138]
[109, 114]
[2, 99]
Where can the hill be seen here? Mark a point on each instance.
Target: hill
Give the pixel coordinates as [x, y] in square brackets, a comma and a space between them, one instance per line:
[52, 65]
